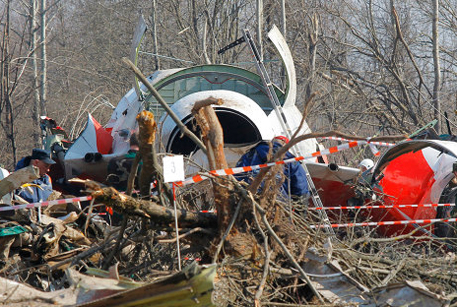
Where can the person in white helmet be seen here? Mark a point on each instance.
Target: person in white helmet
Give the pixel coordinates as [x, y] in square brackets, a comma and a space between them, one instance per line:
[365, 164]
[364, 176]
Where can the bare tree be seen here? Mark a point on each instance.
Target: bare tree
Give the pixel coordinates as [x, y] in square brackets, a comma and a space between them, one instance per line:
[44, 55]
[33, 46]
[12, 69]
[436, 62]
[6, 107]
[376, 65]
[367, 56]
[154, 34]
[217, 23]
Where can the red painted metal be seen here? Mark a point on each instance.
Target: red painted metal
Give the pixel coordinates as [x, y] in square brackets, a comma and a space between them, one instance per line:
[407, 180]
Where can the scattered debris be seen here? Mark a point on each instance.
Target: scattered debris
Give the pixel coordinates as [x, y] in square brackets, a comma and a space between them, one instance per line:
[268, 252]
[238, 244]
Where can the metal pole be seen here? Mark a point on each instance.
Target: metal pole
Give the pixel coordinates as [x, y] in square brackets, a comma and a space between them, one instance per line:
[285, 126]
[176, 226]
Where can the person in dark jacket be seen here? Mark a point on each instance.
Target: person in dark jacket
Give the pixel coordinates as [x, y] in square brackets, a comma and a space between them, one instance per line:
[295, 183]
[41, 188]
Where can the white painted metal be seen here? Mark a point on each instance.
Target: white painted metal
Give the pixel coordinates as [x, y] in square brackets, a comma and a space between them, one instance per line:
[232, 100]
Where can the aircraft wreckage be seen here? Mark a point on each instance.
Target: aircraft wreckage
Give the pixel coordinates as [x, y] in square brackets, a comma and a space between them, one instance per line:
[407, 180]
[413, 172]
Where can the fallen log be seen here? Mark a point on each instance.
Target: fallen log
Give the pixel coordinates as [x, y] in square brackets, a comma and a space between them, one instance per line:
[131, 206]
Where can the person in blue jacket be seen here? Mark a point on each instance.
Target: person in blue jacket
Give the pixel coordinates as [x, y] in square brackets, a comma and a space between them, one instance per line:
[295, 183]
[40, 188]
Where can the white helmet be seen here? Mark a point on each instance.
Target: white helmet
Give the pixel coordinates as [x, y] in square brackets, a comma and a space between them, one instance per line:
[367, 163]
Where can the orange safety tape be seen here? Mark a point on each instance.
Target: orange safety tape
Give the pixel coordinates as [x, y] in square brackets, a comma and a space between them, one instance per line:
[382, 206]
[243, 169]
[384, 223]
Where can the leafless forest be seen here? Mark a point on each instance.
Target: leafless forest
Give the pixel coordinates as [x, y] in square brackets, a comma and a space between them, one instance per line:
[375, 67]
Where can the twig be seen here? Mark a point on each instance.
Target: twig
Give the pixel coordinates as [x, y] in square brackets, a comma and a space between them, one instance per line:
[229, 227]
[193, 230]
[87, 253]
[393, 272]
[398, 238]
[286, 251]
[89, 213]
[130, 185]
[132, 174]
[266, 267]
[118, 243]
[11, 294]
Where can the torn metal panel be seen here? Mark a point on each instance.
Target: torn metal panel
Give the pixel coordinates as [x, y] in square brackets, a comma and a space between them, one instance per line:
[408, 293]
[140, 30]
[281, 46]
[191, 287]
[16, 294]
[93, 288]
[332, 283]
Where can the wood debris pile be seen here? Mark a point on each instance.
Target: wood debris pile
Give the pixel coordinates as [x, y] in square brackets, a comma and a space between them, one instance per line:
[260, 252]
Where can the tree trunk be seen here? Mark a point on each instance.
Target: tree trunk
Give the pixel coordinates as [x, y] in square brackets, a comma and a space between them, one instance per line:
[213, 138]
[260, 26]
[33, 47]
[436, 66]
[154, 35]
[151, 169]
[6, 106]
[283, 18]
[43, 59]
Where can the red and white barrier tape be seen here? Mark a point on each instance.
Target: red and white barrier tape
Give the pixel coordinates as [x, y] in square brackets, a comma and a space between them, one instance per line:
[244, 169]
[374, 150]
[402, 222]
[46, 203]
[368, 141]
[381, 206]
[192, 259]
